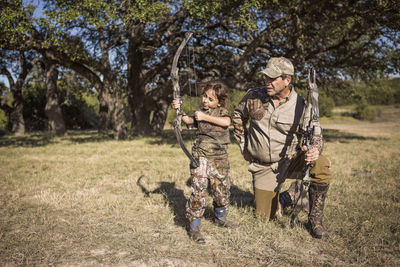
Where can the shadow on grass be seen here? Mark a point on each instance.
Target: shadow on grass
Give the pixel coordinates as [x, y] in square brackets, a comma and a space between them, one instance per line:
[177, 201]
[29, 140]
[173, 196]
[166, 137]
[38, 139]
[332, 135]
[88, 137]
[240, 198]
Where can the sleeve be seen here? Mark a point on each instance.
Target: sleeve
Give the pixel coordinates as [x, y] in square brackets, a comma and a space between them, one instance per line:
[224, 113]
[195, 124]
[317, 138]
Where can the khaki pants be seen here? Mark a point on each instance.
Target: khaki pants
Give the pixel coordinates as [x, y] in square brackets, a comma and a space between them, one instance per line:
[267, 179]
[269, 176]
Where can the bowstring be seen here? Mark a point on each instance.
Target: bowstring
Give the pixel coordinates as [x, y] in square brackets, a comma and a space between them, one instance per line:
[190, 61]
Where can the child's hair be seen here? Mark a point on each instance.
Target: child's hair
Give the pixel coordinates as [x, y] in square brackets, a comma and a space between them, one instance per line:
[221, 92]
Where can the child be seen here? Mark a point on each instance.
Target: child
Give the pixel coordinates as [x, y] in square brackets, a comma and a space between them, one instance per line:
[210, 148]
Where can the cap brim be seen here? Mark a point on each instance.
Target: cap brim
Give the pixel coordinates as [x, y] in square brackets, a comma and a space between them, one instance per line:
[271, 73]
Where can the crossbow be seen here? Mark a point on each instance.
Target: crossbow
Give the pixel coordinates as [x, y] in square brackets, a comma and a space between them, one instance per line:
[177, 96]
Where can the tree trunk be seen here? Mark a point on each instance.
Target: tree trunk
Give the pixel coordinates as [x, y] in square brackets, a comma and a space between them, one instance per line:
[16, 114]
[159, 116]
[118, 117]
[17, 117]
[103, 112]
[140, 121]
[52, 109]
[137, 99]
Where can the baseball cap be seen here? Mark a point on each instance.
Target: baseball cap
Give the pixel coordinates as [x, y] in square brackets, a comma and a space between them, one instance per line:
[278, 66]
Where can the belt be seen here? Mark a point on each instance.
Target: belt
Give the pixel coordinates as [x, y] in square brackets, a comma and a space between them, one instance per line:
[261, 163]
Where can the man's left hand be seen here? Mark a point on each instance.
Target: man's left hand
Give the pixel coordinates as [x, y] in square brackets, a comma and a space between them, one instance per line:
[312, 154]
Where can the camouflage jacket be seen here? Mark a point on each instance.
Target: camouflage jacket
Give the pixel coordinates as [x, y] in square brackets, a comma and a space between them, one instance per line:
[211, 140]
[273, 133]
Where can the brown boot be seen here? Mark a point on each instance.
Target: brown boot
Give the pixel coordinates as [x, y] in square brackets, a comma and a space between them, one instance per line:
[220, 218]
[196, 236]
[266, 203]
[318, 194]
[226, 224]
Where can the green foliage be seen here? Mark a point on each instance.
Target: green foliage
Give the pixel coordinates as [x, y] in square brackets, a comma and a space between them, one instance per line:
[379, 93]
[364, 111]
[145, 11]
[80, 110]
[34, 105]
[242, 12]
[375, 92]
[395, 84]
[15, 23]
[326, 105]
[326, 102]
[3, 122]
[79, 114]
[234, 98]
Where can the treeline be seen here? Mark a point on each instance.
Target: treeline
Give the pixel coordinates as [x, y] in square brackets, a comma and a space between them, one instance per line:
[106, 64]
[80, 107]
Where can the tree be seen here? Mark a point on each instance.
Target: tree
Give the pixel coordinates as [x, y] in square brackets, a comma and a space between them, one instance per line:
[52, 109]
[339, 38]
[125, 48]
[21, 71]
[21, 31]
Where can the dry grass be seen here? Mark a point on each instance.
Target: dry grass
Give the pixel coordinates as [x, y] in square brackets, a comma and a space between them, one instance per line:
[87, 200]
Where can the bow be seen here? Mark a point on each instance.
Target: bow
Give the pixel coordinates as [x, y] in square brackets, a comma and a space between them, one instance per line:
[311, 131]
[177, 95]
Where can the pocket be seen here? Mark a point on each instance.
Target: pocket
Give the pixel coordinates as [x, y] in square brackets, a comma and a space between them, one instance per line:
[286, 124]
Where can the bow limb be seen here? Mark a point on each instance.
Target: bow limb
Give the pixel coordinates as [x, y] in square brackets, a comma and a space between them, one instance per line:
[177, 95]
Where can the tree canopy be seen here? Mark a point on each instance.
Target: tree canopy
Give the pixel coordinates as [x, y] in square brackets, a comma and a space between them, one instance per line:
[125, 48]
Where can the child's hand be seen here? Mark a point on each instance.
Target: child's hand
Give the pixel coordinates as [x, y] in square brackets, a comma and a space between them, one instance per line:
[176, 103]
[200, 116]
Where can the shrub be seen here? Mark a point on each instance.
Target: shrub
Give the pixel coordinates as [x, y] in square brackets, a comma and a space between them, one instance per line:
[34, 104]
[326, 105]
[80, 110]
[3, 122]
[364, 111]
[380, 93]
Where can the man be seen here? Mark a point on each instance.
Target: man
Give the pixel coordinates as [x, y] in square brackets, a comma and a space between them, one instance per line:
[278, 119]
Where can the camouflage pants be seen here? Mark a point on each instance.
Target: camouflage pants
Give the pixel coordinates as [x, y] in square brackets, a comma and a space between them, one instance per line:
[212, 174]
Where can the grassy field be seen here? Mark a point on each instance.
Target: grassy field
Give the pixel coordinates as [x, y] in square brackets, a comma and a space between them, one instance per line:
[85, 200]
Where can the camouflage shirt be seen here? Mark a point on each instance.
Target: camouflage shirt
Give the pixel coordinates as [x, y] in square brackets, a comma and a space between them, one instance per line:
[273, 133]
[211, 140]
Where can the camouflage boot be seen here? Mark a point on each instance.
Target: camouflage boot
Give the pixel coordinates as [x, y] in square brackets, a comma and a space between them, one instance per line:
[318, 194]
[220, 219]
[194, 232]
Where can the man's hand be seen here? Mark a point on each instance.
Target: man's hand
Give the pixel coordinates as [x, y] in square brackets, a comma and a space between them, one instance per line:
[312, 154]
